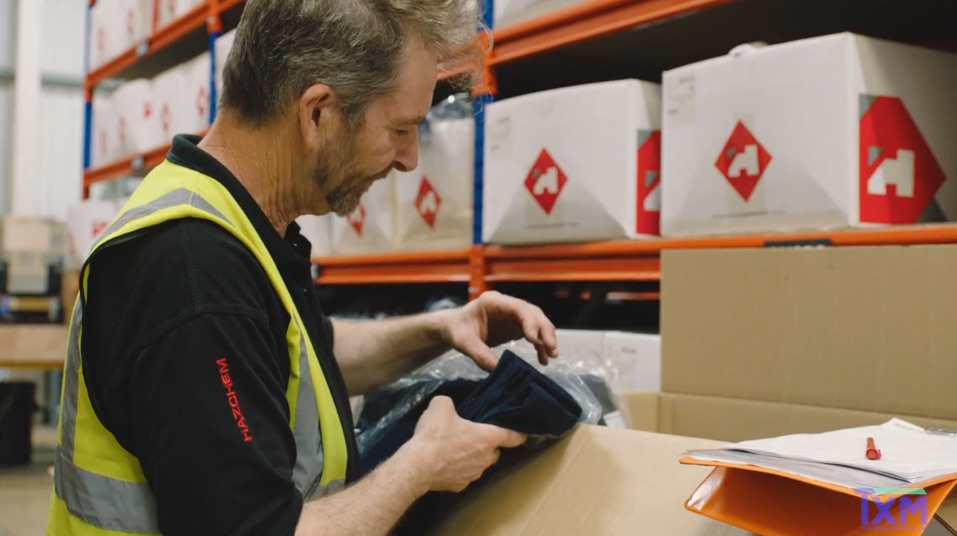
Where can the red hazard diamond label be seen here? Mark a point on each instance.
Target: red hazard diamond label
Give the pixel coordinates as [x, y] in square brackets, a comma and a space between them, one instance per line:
[649, 182]
[201, 101]
[742, 161]
[166, 118]
[357, 219]
[546, 181]
[899, 175]
[427, 202]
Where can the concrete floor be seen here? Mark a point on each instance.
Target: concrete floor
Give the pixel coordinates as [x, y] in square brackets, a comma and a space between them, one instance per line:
[25, 491]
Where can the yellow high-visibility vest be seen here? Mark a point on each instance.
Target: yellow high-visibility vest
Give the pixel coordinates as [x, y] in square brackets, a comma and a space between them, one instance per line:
[99, 487]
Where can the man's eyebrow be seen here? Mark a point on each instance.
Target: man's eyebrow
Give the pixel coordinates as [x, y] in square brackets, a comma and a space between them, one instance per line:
[411, 121]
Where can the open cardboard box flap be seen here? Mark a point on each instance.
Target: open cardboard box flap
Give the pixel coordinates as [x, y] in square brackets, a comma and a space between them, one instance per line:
[596, 481]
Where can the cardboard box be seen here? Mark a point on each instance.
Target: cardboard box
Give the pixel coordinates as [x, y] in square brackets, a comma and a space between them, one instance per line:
[136, 17]
[317, 229]
[192, 115]
[370, 229]
[169, 97]
[830, 132]
[733, 419]
[592, 482]
[865, 328]
[137, 123]
[85, 223]
[434, 203]
[511, 12]
[107, 31]
[573, 164]
[224, 43]
[105, 145]
[33, 345]
[168, 11]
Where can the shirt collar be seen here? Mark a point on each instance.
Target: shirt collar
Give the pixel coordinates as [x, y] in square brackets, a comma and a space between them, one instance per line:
[293, 247]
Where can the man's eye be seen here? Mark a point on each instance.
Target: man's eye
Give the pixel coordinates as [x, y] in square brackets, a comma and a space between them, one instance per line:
[401, 132]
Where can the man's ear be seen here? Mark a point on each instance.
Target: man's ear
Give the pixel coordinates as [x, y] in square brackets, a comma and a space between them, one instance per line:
[316, 108]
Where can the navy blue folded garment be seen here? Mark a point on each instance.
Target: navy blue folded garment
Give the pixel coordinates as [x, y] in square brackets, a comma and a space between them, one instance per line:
[513, 396]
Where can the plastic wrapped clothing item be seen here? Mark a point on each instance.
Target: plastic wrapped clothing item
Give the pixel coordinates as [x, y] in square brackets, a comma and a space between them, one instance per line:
[384, 407]
[515, 396]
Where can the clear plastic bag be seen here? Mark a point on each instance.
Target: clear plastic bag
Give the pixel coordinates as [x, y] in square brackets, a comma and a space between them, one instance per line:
[413, 389]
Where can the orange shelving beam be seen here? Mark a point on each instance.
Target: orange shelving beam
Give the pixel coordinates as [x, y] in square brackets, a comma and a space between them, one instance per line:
[585, 21]
[128, 165]
[421, 267]
[125, 166]
[159, 40]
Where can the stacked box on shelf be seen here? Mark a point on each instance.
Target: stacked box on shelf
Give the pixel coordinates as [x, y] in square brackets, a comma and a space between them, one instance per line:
[167, 11]
[434, 202]
[105, 142]
[510, 12]
[573, 164]
[224, 43]
[85, 223]
[830, 132]
[370, 229]
[106, 32]
[136, 122]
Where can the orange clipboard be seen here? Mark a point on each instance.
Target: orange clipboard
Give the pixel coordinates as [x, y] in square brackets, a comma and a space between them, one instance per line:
[775, 503]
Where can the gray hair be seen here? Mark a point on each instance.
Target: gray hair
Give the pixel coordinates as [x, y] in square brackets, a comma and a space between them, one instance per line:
[355, 46]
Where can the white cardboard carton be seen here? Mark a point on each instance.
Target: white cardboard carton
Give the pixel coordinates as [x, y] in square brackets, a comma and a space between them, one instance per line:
[828, 132]
[192, 116]
[137, 126]
[135, 17]
[370, 229]
[434, 202]
[573, 164]
[167, 91]
[511, 12]
[85, 222]
[168, 11]
[105, 145]
[224, 43]
[107, 32]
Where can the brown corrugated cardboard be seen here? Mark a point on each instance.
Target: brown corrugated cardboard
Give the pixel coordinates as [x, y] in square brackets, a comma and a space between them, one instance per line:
[729, 419]
[866, 328]
[32, 345]
[596, 481]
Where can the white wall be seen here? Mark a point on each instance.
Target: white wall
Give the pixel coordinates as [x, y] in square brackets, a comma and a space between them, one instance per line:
[60, 135]
[7, 36]
[61, 108]
[64, 37]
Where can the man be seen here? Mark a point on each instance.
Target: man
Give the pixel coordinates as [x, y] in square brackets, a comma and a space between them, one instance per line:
[199, 360]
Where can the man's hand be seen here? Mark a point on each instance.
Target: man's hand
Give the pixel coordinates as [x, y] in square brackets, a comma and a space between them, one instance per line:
[456, 450]
[493, 319]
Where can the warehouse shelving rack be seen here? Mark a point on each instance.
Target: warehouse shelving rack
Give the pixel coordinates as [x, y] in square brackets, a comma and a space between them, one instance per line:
[483, 266]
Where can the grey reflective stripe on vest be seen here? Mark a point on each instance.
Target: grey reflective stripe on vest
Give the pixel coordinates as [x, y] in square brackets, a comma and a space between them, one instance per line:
[118, 505]
[309, 460]
[101, 501]
[180, 196]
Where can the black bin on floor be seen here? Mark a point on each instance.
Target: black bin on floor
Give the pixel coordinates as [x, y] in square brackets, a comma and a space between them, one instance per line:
[17, 405]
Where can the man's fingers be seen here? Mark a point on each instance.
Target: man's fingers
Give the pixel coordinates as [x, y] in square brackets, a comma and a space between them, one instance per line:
[483, 356]
[511, 439]
[549, 339]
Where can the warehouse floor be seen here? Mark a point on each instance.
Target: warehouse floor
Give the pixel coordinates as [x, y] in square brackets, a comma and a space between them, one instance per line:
[25, 491]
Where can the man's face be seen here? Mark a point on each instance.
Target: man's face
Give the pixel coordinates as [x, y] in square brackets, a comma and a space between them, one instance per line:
[387, 137]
